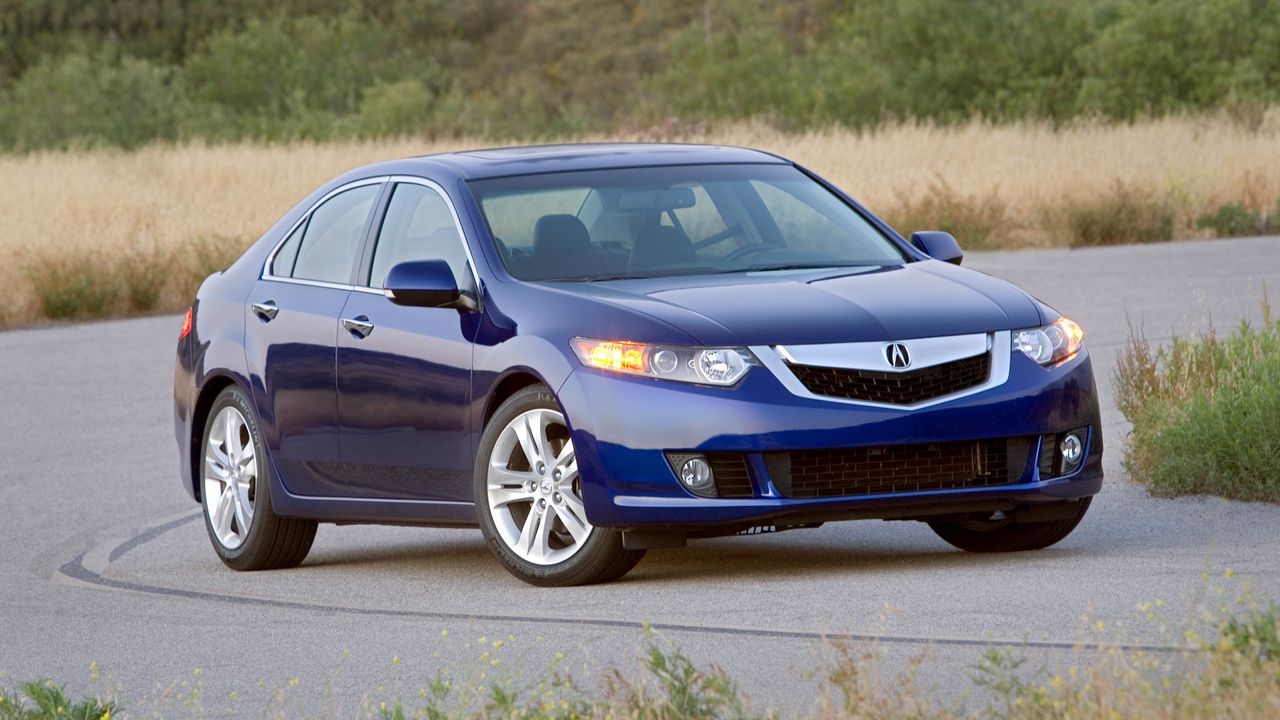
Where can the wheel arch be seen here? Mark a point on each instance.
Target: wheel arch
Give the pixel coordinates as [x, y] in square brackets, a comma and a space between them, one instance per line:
[509, 384]
[209, 391]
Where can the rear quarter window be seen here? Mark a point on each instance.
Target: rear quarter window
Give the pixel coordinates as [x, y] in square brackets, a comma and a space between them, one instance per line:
[332, 236]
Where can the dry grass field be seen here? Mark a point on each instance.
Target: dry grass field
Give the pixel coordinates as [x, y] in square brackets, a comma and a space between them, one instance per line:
[102, 232]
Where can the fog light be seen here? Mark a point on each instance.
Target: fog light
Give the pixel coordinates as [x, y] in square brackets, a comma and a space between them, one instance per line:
[1072, 449]
[696, 475]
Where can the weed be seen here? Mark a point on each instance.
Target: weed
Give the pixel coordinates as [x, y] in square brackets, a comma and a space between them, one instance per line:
[1126, 214]
[73, 286]
[1232, 220]
[1200, 410]
[1255, 633]
[1234, 671]
[677, 689]
[44, 700]
[142, 274]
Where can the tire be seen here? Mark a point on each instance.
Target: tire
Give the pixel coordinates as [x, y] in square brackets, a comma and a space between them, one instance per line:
[988, 535]
[530, 508]
[236, 491]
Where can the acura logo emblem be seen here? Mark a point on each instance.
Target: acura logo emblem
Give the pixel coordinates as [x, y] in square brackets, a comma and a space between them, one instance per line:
[896, 354]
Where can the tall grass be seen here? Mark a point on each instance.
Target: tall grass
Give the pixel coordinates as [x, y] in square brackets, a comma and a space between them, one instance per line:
[100, 232]
[1205, 412]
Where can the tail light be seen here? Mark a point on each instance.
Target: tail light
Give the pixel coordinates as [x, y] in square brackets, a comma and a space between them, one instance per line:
[186, 324]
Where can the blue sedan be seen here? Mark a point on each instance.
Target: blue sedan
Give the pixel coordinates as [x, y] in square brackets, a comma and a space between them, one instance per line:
[588, 351]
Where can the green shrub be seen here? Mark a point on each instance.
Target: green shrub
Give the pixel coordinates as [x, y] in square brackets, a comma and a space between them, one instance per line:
[269, 69]
[47, 701]
[677, 689]
[1256, 632]
[1231, 220]
[1124, 215]
[92, 100]
[143, 274]
[75, 285]
[1204, 412]
[81, 285]
[395, 108]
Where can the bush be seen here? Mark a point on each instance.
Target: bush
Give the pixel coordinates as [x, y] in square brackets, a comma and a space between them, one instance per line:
[80, 285]
[50, 702]
[1232, 220]
[1204, 412]
[92, 100]
[394, 109]
[74, 285]
[1255, 633]
[269, 69]
[1126, 214]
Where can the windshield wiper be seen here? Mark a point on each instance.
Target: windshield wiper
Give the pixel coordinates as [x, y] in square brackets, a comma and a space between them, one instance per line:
[806, 266]
[672, 272]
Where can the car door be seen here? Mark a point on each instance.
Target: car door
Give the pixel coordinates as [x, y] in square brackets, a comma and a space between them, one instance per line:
[291, 331]
[404, 373]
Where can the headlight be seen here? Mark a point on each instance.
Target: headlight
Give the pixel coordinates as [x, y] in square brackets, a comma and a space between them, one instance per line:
[1056, 341]
[712, 366]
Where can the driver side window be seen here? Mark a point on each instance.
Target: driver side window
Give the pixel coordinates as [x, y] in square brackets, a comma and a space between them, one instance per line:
[418, 225]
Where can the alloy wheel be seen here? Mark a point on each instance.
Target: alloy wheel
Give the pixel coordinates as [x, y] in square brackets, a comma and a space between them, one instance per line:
[231, 469]
[534, 492]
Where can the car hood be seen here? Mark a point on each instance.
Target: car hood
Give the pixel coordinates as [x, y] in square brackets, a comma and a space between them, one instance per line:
[920, 299]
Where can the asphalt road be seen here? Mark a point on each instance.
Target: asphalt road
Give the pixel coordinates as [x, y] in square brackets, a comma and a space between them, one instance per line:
[103, 559]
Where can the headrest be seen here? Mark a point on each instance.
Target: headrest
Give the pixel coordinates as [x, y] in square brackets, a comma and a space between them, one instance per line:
[662, 244]
[560, 235]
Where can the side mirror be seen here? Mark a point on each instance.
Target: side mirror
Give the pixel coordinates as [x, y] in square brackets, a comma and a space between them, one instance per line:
[938, 245]
[422, 283]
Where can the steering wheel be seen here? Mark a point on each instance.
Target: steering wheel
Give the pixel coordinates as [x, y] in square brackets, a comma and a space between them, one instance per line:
[706, 242]
[745, 250]
[725, 234]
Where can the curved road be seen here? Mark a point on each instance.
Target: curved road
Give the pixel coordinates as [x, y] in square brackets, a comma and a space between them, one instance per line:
[103, 559]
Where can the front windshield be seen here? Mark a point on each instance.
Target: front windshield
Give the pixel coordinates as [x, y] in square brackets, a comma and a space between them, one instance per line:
[674, 220]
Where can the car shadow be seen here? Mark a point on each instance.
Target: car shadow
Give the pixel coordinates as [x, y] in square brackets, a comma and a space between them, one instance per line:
[762, 563]
[758, 559]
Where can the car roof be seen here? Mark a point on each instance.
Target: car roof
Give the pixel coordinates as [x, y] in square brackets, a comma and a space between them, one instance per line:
[533, 159]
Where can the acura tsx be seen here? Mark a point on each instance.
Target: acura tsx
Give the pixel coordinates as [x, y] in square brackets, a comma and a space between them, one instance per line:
[587, 351]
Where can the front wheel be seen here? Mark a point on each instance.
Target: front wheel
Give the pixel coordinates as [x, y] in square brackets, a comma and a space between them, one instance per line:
[1000, 533]
[529, 499]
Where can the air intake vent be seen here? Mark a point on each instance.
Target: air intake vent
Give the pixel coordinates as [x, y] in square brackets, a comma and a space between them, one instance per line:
[898, 468]
[731, 475]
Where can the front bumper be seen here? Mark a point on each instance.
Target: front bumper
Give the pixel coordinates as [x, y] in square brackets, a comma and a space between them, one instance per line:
[623, 427]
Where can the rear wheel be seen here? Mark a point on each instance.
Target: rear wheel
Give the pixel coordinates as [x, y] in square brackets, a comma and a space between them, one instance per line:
[529, 499]
[1000, 533]
[235, 491]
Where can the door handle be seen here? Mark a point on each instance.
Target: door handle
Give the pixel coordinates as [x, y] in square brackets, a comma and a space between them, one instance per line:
[358, 325]
[266, 310]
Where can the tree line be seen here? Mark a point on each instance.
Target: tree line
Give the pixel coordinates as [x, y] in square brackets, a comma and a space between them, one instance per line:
[127, 72]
